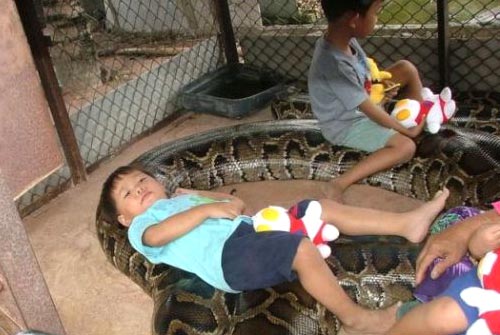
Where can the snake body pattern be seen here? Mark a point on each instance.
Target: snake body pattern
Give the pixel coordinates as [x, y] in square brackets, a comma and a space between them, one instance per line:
[375, 272]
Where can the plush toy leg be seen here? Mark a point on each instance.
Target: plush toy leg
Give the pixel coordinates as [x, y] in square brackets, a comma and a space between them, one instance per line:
[324, 250]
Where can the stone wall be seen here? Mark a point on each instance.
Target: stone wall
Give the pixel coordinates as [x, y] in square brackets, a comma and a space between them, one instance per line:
[180, 17]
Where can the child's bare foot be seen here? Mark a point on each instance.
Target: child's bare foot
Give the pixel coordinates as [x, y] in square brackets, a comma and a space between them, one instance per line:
[420, 219]
[372, 322]
[333, 190]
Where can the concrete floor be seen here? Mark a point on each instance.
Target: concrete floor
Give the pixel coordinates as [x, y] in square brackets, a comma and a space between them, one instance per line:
[91, 296]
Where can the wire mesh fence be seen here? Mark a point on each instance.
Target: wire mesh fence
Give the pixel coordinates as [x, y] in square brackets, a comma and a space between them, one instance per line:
[284, 37]
[122, 63]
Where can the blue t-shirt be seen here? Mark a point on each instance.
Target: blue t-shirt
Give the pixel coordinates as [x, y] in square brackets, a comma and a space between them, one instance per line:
[336, 83]
[199, 251]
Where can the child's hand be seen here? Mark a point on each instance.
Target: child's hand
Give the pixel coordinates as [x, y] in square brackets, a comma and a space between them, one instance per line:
[209, 194]
[415, 131]
[484, 239]
[391, 89]
[226, 210]
[181, 191]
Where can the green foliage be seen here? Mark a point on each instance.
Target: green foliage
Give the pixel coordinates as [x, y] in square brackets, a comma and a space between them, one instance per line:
[425, 11]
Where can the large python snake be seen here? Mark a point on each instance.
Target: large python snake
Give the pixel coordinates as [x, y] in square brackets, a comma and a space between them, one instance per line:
[375, 272]
[477, 110]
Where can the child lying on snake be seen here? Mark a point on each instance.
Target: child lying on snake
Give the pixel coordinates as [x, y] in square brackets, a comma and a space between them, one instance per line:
[205, 233]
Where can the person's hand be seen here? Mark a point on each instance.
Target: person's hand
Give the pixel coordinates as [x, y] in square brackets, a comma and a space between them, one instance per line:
[239, 204]
[391, 89]
[417, 130]
[450, 245]
[485, 238]
[225, 210]
[181, 191]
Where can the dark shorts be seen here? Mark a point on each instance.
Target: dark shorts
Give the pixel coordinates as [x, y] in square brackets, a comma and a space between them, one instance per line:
[253, 260]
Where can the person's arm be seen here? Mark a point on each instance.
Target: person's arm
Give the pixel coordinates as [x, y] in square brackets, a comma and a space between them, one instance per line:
[451, 244]
[181, 223]
[380, 116]
[220, 196]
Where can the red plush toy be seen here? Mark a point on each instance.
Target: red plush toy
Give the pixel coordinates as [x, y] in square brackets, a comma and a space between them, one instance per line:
[306, 221]
[486, 299]
[436, 108]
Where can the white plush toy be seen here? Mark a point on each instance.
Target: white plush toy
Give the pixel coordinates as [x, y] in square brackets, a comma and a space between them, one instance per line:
[487, 298]
[309, 224]
[439, 108]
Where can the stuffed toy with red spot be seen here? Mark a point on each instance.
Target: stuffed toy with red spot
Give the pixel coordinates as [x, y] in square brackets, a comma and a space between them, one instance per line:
[436, 109]
[487, 297]
[303, 218]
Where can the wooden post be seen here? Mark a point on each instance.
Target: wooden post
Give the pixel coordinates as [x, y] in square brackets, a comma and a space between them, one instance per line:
[20, 267]
[228, 40]
[443, 43]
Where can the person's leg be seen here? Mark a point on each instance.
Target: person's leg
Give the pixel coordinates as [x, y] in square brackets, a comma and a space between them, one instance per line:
[405, 73]
[485, 238]
[412, 225]
[319, 281]
[398, 149]
[442, 316]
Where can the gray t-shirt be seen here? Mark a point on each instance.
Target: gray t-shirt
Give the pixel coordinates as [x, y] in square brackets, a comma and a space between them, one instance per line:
[336, 85]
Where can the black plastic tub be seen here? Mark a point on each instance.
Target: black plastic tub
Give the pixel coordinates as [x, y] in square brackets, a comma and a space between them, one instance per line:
[232, 91]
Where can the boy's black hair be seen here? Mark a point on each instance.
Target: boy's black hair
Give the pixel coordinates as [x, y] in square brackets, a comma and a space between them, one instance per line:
[334, 9]
[107, 205]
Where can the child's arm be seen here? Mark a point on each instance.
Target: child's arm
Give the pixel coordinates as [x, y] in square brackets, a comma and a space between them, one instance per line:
[378, 115]
[485, 238]
[208, 194]
[219, 196]
[181, 223]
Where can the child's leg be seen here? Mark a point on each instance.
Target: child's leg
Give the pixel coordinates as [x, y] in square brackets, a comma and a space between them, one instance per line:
[398, 149]
[317, 279]
[441, 316]
[484, 239]
[406, 74]
[412, 225]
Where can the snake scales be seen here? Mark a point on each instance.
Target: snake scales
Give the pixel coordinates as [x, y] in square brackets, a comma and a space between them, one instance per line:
[374, 272]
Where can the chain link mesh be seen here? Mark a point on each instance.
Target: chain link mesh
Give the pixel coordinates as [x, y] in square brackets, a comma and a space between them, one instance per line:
[121, 63]
[283, 39]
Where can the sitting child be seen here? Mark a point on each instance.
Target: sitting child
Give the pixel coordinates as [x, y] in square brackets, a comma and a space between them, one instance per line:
[204, 233]
[450, 312]
[337, 81]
